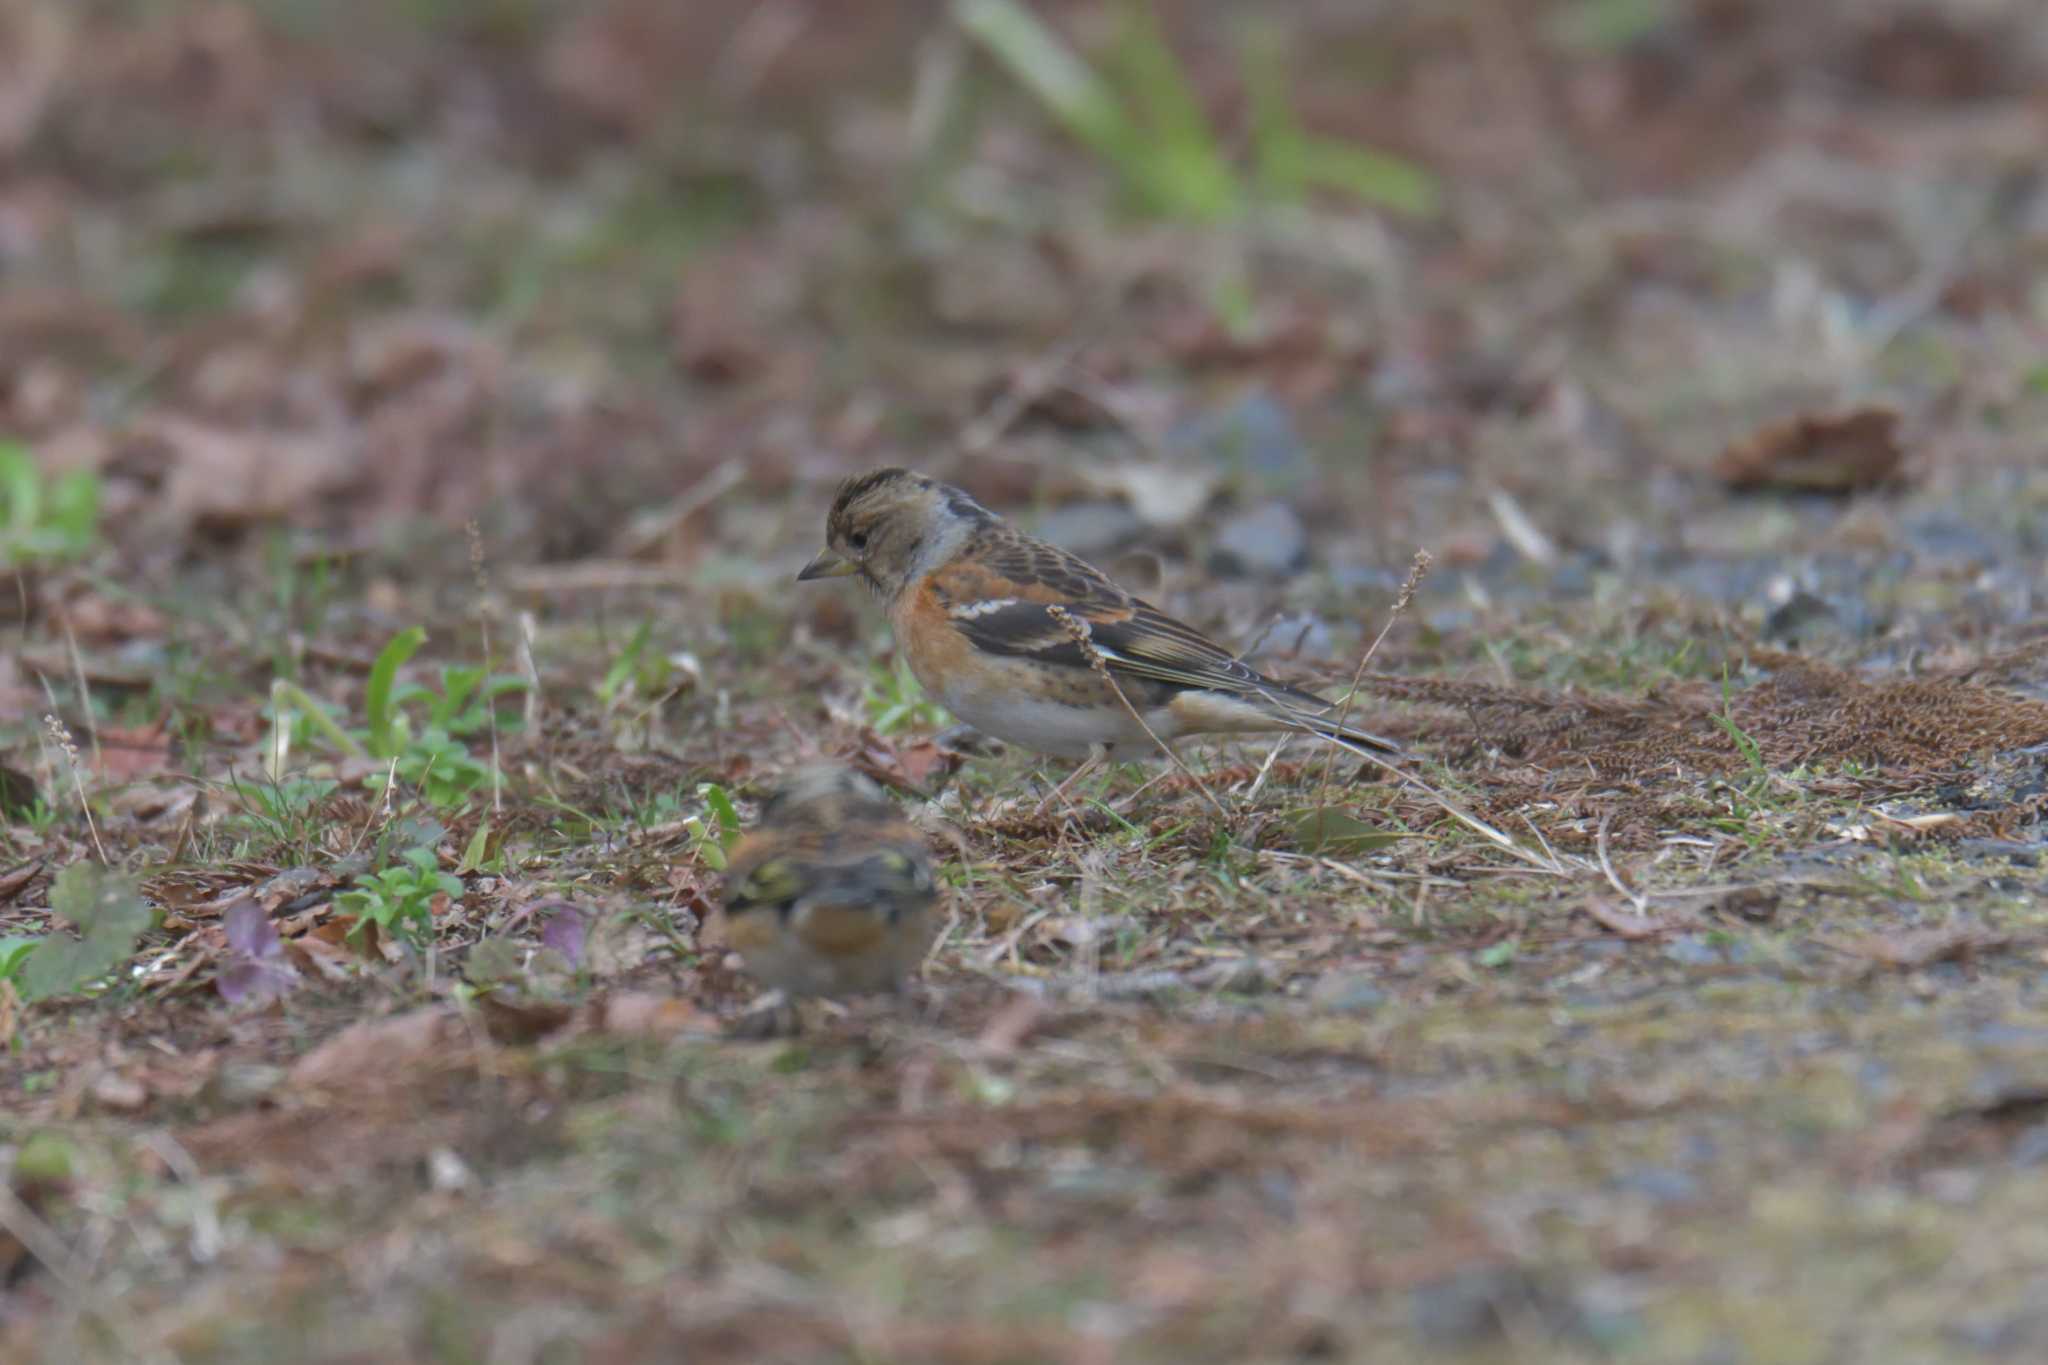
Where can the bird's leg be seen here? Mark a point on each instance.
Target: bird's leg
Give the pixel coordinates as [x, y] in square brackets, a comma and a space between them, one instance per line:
[1097, 754]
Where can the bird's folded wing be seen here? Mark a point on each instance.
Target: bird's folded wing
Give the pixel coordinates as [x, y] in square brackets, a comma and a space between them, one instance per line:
[1002, 606]
[1134, 639]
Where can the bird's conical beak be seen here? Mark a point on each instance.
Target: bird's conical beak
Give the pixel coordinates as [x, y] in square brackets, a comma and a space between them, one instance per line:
[827, 564]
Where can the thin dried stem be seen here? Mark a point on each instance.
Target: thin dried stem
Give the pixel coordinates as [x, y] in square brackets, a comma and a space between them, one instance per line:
[483, 621]
[92, 725]
[1554, 863]
[1418, 569]
[1634, 898]
[1077, 631]
[60, 735]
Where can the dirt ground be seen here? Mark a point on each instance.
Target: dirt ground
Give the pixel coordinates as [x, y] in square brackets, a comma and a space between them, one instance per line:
[360, 991]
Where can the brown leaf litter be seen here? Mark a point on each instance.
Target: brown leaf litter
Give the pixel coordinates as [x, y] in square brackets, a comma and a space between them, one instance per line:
[1915, 733]
[1848, 452]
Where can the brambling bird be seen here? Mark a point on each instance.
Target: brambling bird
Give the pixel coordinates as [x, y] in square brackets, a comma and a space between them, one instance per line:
[832, 893]
[988, 618]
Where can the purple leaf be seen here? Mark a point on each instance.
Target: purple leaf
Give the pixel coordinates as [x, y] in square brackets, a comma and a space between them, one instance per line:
[250, 931]
[255, 968]
[565, 930]
[247, 979]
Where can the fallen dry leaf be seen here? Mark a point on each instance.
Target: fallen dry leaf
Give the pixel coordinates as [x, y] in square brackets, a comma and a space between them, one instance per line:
[513, 1018]
[1623, 923]
[118, 1091]
[914, 768]
[315, 957]
[98, 618]
[1009, 1026]
[1814, 453]
[1912, 948]
[124, 755]
[15, 878]
[222, 479]
[383, 1052]
[643, 1014]
[1161, 494]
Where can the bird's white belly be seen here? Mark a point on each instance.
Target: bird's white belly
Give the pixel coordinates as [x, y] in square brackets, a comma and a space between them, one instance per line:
[1051, 728]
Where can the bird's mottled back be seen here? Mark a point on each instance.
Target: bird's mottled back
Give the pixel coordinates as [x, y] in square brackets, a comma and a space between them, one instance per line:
[832, 891]
[825, 797]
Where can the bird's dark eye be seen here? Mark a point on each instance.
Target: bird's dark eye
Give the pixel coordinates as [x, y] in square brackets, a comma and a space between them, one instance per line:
[858, 540]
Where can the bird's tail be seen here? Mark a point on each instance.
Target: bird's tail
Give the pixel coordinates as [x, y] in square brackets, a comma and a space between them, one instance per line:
[1362, 742]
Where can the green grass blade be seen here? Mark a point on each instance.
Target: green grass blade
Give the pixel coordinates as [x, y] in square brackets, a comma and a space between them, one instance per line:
[377, 702]
[722, 808]
[1277, 138]
[283, 693]
[1373, 177]
[1178, 165]
[1067, 87]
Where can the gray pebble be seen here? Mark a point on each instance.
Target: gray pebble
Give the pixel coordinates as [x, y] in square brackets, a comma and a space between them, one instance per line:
[1266, 541]
[1090, 529]
[1348, 993]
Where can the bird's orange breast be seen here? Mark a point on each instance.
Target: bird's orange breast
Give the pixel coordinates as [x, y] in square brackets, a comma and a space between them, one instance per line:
[937, 652]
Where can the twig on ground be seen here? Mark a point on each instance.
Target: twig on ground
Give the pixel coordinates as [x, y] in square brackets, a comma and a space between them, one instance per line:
[1077, 631]
[1634, 898]
[1418, 569]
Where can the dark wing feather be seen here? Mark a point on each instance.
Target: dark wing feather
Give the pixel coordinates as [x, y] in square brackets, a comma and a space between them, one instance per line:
[1136, 638]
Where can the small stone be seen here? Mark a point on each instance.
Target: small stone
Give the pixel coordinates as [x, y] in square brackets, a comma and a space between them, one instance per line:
[448, 1173]
[1347, 993]
[2030, 1148]
[1660, 1185]
[112, 1090]
[1472, 1306]
[1801, 615]
[1090, 529]
[1955, 1185]
[2017, 1337]
[1691, 950]
[1255, 435]
[238, 1083]
[1266, 541]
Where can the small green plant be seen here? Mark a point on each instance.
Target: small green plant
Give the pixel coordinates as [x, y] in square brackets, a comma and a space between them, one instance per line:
[638, 671]
[1159, 141]
[894, 700]
[1752, 753]
[44, 517]
[40, 816]
[715, 831]
[106, 908]
[1327, 830]
[433, 759]
[399, 899]
[14, 950]
[281, 811]
[439, 767]
[301, 717]
[384, 717]
[461, 705]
